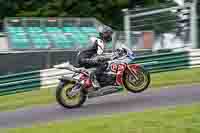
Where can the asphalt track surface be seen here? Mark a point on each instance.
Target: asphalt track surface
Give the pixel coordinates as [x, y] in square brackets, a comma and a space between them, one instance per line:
[103, 106]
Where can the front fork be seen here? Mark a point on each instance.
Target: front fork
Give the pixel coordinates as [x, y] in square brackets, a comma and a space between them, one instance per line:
[133, 70]
[134, 75]
[75, 90]
[83, 83]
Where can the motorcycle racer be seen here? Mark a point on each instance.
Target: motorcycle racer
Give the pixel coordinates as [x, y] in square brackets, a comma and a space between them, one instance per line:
[91, 57]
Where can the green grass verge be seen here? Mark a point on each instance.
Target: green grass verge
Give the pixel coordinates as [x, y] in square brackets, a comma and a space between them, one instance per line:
[37, 97]
[45, 96]
[180, 77]
[184, 119]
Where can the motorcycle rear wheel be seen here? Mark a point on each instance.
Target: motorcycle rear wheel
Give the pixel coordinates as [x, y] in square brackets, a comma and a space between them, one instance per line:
[137, 85]
[65, 100]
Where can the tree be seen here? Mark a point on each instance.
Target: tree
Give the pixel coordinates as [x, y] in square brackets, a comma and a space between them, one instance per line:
[107, 11]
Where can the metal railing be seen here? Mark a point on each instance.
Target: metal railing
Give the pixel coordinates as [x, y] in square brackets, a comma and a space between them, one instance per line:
[155, 63]
[177, 23]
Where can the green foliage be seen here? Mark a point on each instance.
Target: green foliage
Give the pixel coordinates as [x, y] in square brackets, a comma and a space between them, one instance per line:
[108, 11]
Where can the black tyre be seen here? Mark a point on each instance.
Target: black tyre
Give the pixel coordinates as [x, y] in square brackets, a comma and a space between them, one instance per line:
[138, 84]
[66, 101]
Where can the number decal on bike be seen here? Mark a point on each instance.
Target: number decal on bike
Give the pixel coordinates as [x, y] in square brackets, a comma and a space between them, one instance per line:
[114, 67]
[120, 71]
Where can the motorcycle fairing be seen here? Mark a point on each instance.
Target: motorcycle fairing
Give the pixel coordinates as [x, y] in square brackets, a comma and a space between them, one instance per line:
[114, 67]
[120, 71]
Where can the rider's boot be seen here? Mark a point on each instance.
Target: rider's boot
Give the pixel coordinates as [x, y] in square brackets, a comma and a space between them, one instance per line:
[95, 82]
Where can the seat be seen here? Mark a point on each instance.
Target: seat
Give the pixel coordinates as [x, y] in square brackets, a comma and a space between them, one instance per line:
[19, 43]
[88, 29]
[38, 35]
[45, 37]
[52, 29]
[41, 43]
[11, 29]
[71, 29]
[34, 29]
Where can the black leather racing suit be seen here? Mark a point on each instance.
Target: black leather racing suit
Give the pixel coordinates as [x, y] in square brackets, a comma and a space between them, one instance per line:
[89, 58]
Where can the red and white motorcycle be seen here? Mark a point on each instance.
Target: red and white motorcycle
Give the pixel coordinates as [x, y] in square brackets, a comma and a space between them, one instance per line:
[120, 74]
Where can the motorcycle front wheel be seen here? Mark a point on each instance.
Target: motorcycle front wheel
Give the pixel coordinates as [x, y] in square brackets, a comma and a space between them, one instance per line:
[67, 101]
[138, 81]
